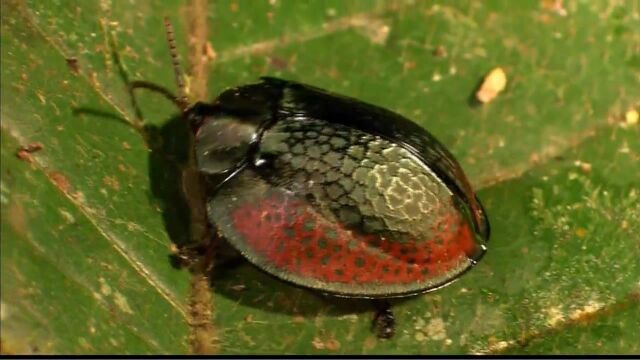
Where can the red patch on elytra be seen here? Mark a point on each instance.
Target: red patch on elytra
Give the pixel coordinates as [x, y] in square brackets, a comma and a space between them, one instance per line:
[294, 238]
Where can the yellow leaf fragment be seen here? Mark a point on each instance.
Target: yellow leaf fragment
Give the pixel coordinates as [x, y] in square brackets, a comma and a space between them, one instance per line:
[492, 85]
[631, 117]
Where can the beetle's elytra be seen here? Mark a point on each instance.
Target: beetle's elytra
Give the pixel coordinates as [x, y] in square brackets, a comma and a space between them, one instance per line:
[335, 194]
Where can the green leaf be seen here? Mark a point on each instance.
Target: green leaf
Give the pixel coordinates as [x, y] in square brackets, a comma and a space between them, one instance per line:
[89, 220]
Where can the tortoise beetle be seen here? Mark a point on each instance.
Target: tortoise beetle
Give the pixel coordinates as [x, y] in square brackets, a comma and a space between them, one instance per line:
[334, 194]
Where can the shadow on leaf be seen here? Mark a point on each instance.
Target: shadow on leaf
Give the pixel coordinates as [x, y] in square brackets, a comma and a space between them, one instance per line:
[252, 287]
[168, 155]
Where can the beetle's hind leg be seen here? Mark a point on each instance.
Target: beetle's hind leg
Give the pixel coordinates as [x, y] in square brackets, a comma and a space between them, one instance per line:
[384, 322]
[185, 256]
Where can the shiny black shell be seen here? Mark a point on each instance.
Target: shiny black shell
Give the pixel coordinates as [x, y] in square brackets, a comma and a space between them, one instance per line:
[335, 194]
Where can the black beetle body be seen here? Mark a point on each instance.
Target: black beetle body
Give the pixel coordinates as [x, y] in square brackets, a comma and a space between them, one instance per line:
[335, 194]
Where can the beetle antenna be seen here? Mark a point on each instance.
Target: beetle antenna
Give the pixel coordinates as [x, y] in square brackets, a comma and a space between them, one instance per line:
[177, 68]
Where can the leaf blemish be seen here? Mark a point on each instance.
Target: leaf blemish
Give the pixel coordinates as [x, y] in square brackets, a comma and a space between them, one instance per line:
[67, 216]
[112, 182]
[325, 342]
[73, 65]
[122, 303]
[554, 316]
[60, 181]
[17, 217]
[586, 312]
[3, 311]
[105, 289]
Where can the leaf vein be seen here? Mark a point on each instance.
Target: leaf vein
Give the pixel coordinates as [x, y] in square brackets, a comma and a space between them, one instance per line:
[117, 244]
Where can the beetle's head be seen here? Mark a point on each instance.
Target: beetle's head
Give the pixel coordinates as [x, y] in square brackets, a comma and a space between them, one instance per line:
[222, 140]
[226, 130]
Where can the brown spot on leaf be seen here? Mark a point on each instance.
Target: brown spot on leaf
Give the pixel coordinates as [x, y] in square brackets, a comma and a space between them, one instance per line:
[328, 343]
[278, 63]
[440, 52]
[408, 65]
[586, 313]
[111, 182]
[24, 156]
[585, 167]
[60, 181]
[72, 64]
[16, 217]
[317, 343]
[25, 151]
[32, 147]
[554, 6]
[370, 342]
[332, 344]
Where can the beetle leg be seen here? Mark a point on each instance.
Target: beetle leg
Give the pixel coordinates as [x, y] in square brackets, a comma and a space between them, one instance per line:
[384, 322]
[185, 255]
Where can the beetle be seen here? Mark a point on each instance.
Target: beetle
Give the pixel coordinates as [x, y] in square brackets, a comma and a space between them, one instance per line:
[334, 194]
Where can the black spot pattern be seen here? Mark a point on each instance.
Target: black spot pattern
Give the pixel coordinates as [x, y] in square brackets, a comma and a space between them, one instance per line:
[363, 181]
